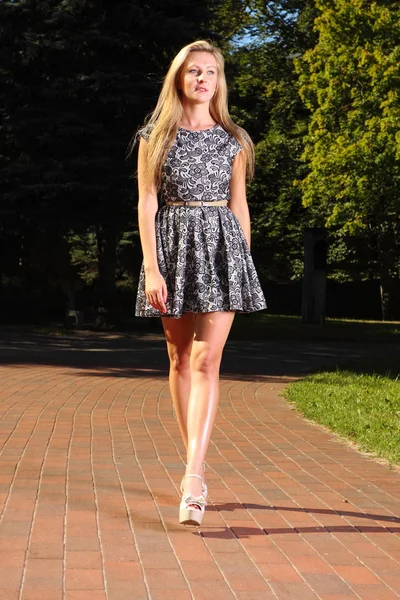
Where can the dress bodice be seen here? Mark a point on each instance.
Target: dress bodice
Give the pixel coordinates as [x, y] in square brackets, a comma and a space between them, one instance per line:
[199, 165]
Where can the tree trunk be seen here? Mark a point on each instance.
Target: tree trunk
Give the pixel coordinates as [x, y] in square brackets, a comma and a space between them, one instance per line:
[313, 305]
[107, 251]
[390, 296]
[389, 280]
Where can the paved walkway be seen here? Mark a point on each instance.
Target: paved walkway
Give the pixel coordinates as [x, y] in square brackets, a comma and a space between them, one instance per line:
[91, 461]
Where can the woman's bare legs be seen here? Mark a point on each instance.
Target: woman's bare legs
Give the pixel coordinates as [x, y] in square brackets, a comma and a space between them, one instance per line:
[211, 333]
[179, 337]
[208, 333]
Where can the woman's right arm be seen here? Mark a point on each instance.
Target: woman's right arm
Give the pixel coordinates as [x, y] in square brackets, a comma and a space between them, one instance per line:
[155, 287]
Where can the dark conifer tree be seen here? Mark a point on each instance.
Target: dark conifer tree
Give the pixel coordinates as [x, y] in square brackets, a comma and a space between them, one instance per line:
[77, 79]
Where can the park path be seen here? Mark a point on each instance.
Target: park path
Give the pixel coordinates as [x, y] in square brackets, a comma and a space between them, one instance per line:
[90, 466]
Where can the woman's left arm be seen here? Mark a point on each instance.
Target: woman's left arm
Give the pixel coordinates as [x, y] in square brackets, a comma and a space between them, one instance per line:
[238, 202]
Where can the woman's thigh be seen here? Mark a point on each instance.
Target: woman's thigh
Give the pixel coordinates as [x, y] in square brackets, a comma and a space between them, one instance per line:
[197, 334]
[179, 337]
[211, 331]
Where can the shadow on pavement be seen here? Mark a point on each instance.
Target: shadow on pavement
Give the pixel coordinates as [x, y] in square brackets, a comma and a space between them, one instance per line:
[229, 507]
[131, 355]
[247, 532]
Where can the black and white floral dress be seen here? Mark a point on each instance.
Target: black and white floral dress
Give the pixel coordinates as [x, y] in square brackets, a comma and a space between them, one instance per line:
[202, 252]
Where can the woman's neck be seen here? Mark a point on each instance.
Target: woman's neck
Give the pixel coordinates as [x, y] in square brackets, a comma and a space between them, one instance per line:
[196, 117]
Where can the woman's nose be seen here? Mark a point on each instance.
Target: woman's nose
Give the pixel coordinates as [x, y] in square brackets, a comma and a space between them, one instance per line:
[200, 77]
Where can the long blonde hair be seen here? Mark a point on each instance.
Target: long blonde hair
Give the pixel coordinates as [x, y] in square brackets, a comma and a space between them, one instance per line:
[163, 121]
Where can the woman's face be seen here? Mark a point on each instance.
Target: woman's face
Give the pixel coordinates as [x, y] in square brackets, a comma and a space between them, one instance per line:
[199, 77]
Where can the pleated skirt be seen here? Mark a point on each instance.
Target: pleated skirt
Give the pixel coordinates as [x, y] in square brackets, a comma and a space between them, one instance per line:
[205, 260]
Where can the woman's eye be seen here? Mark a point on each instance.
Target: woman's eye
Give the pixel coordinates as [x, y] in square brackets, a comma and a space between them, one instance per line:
[211, 73]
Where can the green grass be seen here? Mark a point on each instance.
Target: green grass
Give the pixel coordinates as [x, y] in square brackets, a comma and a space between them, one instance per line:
[264, 326]
[257, 326]
[364, 408]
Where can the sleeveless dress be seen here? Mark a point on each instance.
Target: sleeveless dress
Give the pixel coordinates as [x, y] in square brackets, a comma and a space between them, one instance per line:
[202, 252]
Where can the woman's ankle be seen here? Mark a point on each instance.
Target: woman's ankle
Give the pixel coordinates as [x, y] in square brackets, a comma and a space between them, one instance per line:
[193, 485]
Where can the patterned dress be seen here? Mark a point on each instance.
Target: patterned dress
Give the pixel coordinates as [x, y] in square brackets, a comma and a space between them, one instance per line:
[202, 252]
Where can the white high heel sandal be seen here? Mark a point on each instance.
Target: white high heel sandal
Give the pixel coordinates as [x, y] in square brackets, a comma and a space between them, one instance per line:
[189, 514]
[203, 485]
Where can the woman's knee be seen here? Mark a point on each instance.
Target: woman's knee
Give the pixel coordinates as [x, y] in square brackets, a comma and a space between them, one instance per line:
[205, 361]
[179, 361]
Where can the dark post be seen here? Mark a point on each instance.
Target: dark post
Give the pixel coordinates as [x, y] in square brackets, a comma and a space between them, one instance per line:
[314, 280]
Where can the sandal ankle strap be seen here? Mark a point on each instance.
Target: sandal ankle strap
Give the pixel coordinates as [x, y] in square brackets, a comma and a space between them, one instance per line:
[190, 475]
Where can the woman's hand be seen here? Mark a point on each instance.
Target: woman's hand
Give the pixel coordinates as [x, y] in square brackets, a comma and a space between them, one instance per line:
[156, 290]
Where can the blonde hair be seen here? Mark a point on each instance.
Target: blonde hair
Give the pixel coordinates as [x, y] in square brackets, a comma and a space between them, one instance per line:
[163, 121]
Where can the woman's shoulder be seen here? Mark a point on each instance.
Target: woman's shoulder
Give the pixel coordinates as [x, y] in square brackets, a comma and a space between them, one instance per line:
[231, 138]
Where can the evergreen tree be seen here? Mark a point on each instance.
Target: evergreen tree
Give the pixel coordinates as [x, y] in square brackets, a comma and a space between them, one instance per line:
[78, 78]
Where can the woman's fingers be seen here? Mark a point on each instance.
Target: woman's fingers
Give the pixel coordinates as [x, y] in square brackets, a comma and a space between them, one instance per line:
[164, 292]
[163, 297]
[157, 298]
[161, 303]
[156, 291]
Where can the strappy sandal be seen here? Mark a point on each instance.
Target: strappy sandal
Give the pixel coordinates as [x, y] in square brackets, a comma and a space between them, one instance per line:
[203, 485]
[191, 508]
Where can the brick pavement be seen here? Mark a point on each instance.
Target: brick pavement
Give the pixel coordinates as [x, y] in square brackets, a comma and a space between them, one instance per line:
[90, 465]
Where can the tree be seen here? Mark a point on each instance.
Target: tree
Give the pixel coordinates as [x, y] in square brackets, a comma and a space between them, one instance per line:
[265, 101]
[350, 83]
[78, 78]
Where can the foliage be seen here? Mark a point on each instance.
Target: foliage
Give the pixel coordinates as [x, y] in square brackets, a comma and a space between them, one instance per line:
[350, 83]
[265, 101]
[77, 79]
[83, 253]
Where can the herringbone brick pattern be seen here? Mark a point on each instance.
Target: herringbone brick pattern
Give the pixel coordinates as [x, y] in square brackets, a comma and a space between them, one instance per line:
[90, 466]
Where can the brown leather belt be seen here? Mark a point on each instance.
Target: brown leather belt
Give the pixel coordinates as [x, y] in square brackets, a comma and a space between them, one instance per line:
[197, 203]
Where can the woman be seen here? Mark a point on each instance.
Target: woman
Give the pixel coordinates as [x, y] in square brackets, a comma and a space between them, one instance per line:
[197, 268]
